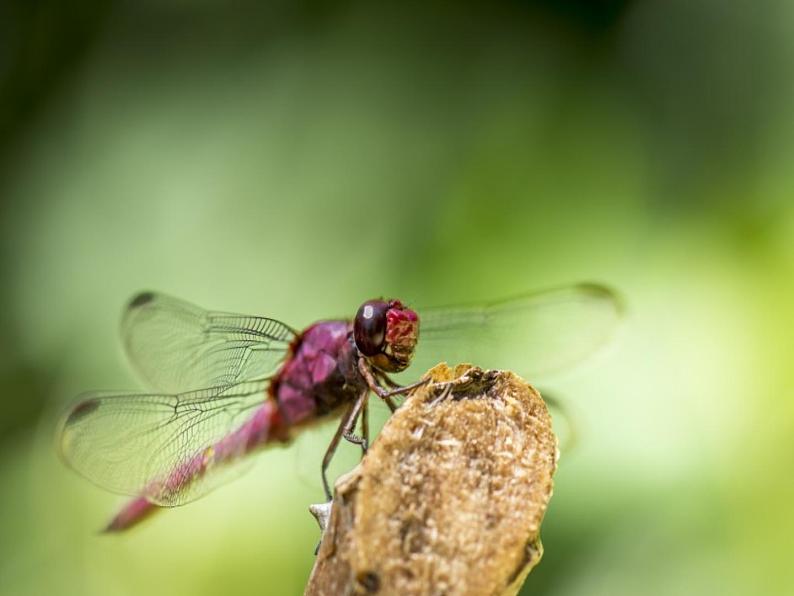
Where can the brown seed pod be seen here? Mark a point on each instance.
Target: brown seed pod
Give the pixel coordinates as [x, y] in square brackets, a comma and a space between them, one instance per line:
[451, 496]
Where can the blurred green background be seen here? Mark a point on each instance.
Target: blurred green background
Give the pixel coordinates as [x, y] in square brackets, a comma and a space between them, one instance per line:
[293, 159]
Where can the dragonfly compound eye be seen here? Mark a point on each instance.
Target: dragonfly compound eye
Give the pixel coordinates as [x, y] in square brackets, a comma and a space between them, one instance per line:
[369, 327]
[386, 333]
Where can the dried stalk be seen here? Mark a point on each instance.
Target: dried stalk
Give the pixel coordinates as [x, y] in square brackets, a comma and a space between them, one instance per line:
[451, 496]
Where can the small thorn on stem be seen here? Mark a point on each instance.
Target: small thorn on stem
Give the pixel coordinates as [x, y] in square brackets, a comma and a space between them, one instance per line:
[321, 512]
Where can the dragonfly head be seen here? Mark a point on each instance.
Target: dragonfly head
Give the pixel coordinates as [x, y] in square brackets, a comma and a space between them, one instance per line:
[386, 333]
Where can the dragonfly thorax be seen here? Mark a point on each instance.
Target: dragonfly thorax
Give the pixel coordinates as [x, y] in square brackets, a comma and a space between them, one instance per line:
[386, 333]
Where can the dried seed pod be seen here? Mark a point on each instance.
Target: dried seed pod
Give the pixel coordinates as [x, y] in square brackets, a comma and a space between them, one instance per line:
[451, 496]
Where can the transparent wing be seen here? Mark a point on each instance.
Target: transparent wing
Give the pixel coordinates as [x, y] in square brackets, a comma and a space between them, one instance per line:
[176, 346]
[533, 334]
[170, 449]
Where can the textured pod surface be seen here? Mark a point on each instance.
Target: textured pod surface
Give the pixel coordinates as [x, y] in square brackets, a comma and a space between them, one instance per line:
[451, 496]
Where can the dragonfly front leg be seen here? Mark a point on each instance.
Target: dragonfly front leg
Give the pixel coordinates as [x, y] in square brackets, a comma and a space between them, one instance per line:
[385, 394]
[344, 430]
[386, 380]
[373, 385]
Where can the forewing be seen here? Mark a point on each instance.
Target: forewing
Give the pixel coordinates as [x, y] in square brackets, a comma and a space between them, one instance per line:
[176, 346]
[170, 449]
[534, 334]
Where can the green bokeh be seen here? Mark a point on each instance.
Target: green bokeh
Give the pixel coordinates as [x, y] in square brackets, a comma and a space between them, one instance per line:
[293, 162]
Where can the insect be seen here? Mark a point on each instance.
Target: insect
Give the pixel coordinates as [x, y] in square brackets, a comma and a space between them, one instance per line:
[227, 385]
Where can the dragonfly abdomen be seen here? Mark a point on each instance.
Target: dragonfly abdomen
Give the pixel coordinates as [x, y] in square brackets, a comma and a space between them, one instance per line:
[266, 425]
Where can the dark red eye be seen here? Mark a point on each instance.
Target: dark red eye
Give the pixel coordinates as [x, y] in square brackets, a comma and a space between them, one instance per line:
[369, 327]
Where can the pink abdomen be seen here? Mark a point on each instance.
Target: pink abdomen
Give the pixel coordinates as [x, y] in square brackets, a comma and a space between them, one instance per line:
[265, 425]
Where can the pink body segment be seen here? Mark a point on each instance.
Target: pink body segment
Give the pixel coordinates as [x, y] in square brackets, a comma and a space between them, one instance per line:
[320, 373]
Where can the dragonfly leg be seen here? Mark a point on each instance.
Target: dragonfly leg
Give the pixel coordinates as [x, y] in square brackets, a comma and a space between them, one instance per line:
[365, 422]
[382, 393]
[345, 428]
[357, 440]
[387, 380]
[390, 402]
[363, 439]
[402, 389]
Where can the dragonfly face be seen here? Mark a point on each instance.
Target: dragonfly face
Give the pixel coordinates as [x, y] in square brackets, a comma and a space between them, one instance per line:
[386, 334]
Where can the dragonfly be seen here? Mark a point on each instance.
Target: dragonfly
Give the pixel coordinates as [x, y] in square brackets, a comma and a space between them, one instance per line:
[225, 385]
